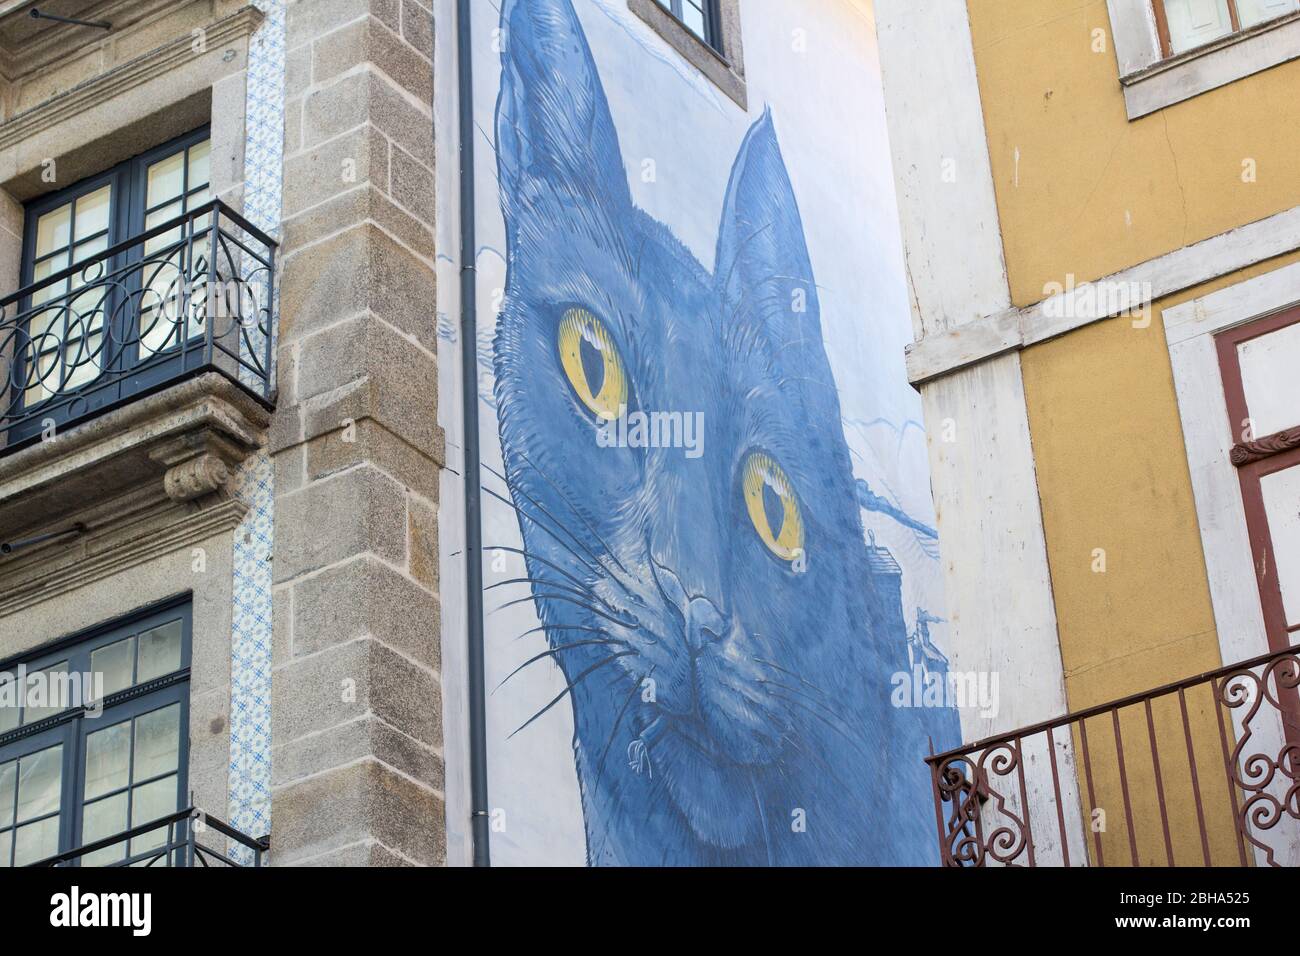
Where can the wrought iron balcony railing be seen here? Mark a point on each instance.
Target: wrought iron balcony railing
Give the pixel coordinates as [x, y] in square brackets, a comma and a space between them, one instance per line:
[1203, 771]
[190, 295]
[183, 838]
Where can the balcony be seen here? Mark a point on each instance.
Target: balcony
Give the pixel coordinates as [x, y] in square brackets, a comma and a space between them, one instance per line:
[143, 371]
[186, 838]
[188, 296]
[1201, 772]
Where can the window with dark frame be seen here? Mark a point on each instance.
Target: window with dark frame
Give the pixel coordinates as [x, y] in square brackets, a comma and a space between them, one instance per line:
[1257, 362]
[701, 17]
[1187, 24]
[68, 777]
[66, 334]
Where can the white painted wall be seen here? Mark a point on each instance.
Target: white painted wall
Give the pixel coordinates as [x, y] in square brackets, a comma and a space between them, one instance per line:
[815, 64]
[996, 578]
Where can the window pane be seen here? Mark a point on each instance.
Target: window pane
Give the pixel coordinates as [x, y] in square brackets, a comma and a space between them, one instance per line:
[693, 17]
[93, 272]
[102, 819]
[199, 163]
[6, 843]
[108, 765]
[196, 199]
[43, 270]
[36, 841]
[92, 212]
[52, 230]
[1252, 12]
[157, 737]
[166, 180]
[114, 662]
[160, 652]
[83, 353]
[1268, 377]
[161, 304]
[44, 376]
[1281, 494]
[166, 240]
[53, 692]
[40, 778]
[9, 703]
[8, 780]
[1193, 23]
[151, 802]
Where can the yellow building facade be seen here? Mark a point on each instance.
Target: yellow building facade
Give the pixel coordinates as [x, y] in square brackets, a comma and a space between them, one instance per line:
[1100, 205]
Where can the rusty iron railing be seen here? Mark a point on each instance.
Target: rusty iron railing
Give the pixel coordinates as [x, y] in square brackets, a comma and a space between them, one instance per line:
[1202, 771]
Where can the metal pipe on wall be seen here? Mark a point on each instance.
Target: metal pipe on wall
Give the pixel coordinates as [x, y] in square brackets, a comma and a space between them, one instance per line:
[473, 493]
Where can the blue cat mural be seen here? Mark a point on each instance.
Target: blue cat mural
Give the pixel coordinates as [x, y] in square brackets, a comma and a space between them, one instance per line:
[726, 642]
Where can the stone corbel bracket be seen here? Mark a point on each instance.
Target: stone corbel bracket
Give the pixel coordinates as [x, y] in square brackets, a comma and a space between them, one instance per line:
[198, 463]
[180, 444]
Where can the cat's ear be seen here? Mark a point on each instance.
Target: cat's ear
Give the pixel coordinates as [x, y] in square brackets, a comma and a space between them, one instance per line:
[762, 266]
[554, 128]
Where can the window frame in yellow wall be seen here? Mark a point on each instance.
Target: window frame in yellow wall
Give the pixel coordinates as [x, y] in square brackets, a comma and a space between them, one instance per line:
[1193, 329]
[1160, 8]
[1153, 79]
[1256, 457]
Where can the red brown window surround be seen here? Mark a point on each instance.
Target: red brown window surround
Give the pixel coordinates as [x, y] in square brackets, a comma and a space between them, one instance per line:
[1257, 457]
[1234, 13]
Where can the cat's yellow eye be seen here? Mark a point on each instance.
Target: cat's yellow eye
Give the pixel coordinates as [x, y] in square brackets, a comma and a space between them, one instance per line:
[592, 363]
[773, 507]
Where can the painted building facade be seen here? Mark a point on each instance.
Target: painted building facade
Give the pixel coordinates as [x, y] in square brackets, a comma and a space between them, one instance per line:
[707, 535]
[1100, 208]
[242, 496]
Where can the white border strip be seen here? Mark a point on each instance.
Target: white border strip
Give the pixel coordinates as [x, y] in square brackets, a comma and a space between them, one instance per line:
[1184, 268]
[1190, 329]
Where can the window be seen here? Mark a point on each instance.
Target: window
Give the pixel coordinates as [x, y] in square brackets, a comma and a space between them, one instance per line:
[1169, 51]
[71, 774]
[1186, 24]
[699, 16]
[706, 34]
[96, 315]
[1258, 363]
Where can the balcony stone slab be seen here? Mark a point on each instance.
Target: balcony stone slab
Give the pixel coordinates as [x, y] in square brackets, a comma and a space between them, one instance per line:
[180, 444]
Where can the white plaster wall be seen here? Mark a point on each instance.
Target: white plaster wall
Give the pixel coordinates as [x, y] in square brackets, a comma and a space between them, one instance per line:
[815, 64]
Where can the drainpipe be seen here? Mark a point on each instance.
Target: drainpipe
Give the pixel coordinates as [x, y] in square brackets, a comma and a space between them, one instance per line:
[478, 780]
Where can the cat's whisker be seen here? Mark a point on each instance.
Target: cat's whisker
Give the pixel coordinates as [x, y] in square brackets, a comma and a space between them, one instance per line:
[569, 688]
[540, 507]
[551, 653]
[737, 258]
[594, 568]
[636, 686]
[844, 732]
[558, 627]
[762, 817]
[576, 513]
[824, 704]
[777, 667]
[735, 329]
[581, 592]
[786, 379]
[535, 557]
[560, 597]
